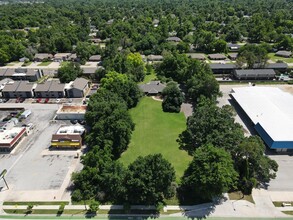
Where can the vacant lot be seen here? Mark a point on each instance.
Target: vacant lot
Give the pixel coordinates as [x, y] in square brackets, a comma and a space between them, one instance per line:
[156, 132]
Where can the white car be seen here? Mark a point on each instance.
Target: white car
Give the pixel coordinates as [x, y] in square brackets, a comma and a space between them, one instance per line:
[58, 100]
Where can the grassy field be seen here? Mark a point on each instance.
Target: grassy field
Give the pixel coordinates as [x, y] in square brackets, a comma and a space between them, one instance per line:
[46, 63]
[156, 132]
[148, 78]
[276, 58]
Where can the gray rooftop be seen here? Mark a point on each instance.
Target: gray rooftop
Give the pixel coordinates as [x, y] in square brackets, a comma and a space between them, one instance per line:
[80, 83]
[284, 53]
[217, 56]
[175, 39]
[155, 57]
[53, 85]
[198, 56]
[152, 87]
[95, 58]
[18, 86]
[255, 73]
[43, 56]
[222, 66]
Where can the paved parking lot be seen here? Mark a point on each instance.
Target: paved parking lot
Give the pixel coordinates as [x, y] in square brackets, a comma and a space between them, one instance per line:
[29, 168]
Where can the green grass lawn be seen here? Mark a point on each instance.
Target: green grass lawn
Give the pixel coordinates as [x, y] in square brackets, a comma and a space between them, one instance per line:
[148, 78]
[46, 63]
[156, 132]
[276, 58]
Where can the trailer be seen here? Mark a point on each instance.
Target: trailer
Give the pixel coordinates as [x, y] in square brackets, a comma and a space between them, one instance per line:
[25, 114]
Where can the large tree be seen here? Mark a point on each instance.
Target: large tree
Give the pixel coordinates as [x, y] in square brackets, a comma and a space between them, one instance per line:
[123, 86]
[173, 98]
[149, 180]
[100, 179]
[210, 124]
[135, 67]
[69, 72]
[111, 125]
[253, 166]
[210, 174]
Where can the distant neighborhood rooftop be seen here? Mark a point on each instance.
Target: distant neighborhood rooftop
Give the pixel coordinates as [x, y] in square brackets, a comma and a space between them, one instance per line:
[152, 88]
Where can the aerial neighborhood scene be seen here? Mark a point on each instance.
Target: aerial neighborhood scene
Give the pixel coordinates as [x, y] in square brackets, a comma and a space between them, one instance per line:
[134, 109]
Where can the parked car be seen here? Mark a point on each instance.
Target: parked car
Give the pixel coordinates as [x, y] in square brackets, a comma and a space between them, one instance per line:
[21, 100]
[58, 100]
[5, 100]
[46, 100]
[73, 121]
[39, 100]
[82, 122]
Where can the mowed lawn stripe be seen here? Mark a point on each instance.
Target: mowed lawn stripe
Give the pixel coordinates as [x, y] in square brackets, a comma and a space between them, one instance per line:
[156, 132]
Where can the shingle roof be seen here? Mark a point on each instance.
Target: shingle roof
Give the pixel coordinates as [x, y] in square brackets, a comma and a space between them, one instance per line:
[233, 55]
[43, 56]
[53, 85]
[217, 56]
[61, 55]
[89, 70]
[95, 58]
[284, 53]
[222, 66]
[175, 39]
[198, 56]
[154, 57]
[152, 87]
[70, 137]
[255, 73]
[18, 86]
[80, 83]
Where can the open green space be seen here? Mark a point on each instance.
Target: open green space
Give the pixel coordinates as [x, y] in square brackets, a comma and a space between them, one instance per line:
[156, 132]
[280, 203]
[276, 58]
[46, 63]
[149, 78]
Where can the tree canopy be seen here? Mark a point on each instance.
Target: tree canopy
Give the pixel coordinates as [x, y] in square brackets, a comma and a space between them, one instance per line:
[172, 98]
[210, 174]
[69, 72]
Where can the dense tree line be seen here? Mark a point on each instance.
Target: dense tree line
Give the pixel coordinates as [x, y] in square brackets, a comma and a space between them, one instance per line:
[60, 26]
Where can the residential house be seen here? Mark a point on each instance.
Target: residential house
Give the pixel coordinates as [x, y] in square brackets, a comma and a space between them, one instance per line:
[152, 88]
[31, 75]
[217, 56]
[233, 47]
[50, 89]
[232, 56]
[40, 57]
[218, 68]
[22, 89]
[78, 88]
[255, 74]
[173, 39]
[95, 58]
[196, 56]
[155, 58]
[58, 57]
[283, 53]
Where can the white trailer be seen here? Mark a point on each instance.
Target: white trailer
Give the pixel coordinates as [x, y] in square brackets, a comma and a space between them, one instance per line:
[25, 114]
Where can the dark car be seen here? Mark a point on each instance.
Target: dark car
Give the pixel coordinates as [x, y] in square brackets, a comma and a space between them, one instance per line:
[82, 122]
[5, 100]
[73, 121]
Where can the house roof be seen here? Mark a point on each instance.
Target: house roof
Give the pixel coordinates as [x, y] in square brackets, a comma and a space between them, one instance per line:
[198, 56]
[222, 66]
[284, 53]
[233, 55]
[88, 70]
[152, 87]
[53, 85]
[18, 86]
[276, 66]
[70, 137]
[43, 56]
[80, 83]
[155, 57]
[217, 56]
[61, 55]
[95, 58]
[233, 46]
[175, 39]
[255, 73]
